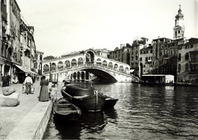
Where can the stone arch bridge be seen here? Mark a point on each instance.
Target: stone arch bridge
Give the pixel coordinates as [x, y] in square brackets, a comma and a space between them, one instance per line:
[83, 65]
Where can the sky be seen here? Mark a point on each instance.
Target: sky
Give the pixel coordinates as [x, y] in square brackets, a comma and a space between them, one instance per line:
[64, 26]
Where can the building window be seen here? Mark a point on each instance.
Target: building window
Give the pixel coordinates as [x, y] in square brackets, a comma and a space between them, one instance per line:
[140, 58]
[179, 57]
[187, 56]
[186, 66]
[179, 68]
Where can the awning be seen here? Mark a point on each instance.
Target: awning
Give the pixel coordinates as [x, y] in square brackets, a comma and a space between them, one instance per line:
[25, 70]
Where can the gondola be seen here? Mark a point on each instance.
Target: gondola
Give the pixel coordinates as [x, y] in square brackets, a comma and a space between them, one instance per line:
[66, 111]
[86, 98]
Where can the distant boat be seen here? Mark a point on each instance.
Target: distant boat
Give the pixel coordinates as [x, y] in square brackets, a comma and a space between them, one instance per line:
[65, 110]
[109, 102]
[86, 98]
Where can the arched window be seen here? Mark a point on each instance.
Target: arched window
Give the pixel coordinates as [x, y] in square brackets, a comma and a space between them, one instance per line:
[46, 68]
[98, 62]
[60, 65]
[53, 67]
[110, 65]
[67, 64]
[104, 63]
[80, 61]
[73, 62]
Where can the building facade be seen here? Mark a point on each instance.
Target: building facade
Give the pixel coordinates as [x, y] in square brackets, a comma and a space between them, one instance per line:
[165, 53]
[10, 19]
[165, 50]
[28, 47]
[3, 44]
[187, 69]
[121, 54]
[129, 54]
[17, 45]
[146, 60]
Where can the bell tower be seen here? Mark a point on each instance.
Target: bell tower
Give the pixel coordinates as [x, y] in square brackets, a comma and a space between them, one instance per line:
[179, 25]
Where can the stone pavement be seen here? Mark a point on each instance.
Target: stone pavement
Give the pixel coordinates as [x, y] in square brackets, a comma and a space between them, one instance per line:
[10, 117]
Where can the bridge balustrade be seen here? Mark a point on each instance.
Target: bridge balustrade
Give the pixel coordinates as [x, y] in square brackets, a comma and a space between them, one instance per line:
[79, 64]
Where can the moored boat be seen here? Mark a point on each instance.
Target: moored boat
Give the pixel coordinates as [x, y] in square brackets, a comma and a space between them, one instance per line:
[86, 98]
[65, 110]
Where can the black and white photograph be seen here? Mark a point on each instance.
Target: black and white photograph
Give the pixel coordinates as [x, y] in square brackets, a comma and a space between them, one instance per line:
[99, 69]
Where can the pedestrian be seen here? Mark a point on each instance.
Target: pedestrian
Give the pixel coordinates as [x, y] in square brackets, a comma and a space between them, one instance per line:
[28, 84]
[44, 94]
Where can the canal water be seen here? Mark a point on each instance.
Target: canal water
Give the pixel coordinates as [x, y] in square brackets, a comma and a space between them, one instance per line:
[142, 112]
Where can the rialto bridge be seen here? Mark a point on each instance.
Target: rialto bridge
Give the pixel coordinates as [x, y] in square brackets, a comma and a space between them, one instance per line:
[87, 65]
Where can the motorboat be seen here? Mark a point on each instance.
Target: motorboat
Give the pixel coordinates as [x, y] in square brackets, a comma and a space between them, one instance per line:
[65, 110]
[86, 98]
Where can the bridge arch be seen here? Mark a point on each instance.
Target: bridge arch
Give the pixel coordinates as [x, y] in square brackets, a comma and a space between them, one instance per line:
[74, 62]
[121, 69]
[99, 61]
[53, 67]
[110, 65]
[104, 63]
[127, 69]
[80, 61]
[115, 66]
[67, 64]
[90, 56]
[60, 65]
[102, 75]
[46, 68]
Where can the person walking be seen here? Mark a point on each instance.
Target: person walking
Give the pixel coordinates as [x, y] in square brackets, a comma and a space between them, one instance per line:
[44, 94]
[28, 84]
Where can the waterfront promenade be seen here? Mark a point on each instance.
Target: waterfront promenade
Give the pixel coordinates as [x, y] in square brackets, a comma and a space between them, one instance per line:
[29, 119]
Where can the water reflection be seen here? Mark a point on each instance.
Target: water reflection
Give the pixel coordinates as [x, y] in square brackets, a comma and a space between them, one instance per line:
[93, 122]
[67, 130]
